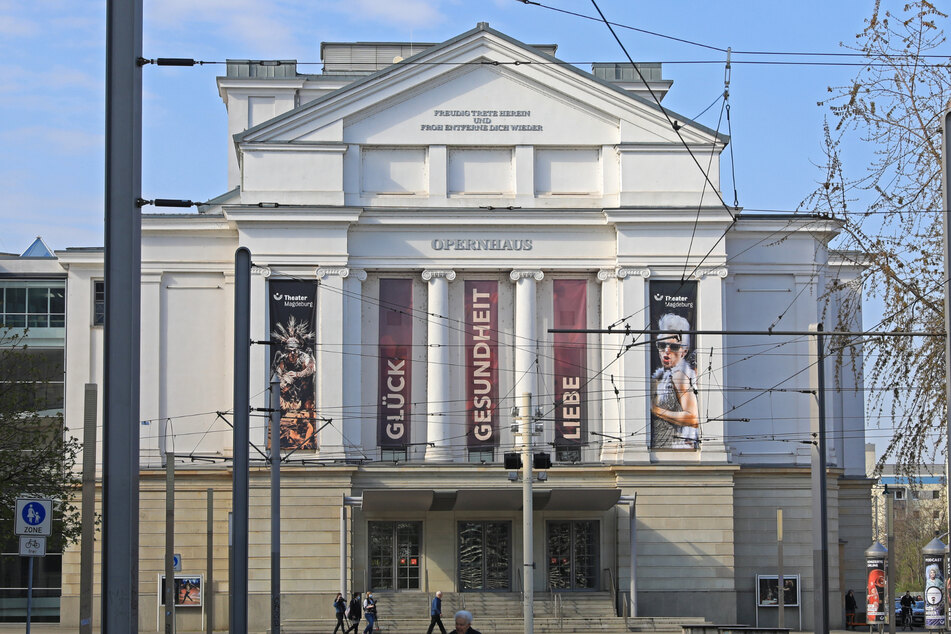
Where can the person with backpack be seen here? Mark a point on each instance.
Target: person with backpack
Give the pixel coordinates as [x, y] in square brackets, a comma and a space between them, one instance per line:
[369, 610]
[353, 613]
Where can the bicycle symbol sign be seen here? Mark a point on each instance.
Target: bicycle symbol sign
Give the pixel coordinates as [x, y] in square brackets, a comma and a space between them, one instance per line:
[33, 517]
[32, 546]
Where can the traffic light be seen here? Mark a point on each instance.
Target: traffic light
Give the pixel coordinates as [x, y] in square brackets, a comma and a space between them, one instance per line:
[541, 461]
[513, 461]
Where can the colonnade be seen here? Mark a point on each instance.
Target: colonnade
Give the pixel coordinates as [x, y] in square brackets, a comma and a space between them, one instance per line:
[342, 390]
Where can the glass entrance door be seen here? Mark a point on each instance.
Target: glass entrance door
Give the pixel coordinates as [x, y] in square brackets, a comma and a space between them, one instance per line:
[573, 555]
[394, 555]
[485, 556]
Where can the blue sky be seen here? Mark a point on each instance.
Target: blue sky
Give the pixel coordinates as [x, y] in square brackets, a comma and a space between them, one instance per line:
[53, 81]
[52, 85]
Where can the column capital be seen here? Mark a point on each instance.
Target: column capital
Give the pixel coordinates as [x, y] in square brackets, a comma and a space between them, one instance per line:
[429, 274]
[336, 271]
[518, 274]
[718, 271]
[622, 272]
[263, 271]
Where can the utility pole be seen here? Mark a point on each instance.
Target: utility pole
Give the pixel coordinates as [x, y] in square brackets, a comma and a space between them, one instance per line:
[528, 542]
[123, 277]
[169, 543]
[946, 213]
[275, 419]
[890, 572]
[779, 557]
[820, 509]
[87, 555]
[238, 608]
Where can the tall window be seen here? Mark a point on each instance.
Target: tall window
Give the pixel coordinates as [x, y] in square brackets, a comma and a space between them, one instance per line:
[26, 304]
[99, 303]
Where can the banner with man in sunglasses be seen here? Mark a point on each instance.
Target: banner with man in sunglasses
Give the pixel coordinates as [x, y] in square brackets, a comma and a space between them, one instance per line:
[675, 408]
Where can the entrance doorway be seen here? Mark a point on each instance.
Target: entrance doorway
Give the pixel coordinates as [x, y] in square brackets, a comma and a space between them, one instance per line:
[573, 555]
[394, 555]
[485, 556]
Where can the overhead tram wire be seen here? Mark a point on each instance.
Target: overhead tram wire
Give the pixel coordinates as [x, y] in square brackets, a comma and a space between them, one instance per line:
[711, 46]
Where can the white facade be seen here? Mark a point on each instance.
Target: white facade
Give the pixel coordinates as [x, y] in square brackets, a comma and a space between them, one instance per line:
[453, 165]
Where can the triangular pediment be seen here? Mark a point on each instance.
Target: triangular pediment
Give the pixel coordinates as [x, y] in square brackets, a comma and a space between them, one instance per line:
[479, 88]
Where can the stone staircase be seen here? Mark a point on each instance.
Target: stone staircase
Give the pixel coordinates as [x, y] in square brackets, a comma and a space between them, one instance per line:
[501, 613]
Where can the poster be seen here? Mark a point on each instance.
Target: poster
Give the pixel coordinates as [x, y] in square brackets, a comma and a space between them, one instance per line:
[482, 363]
[570, 299]
[395, 363]
[293, 335]
[187, 590]
[875, 592]
[934, 592]
[675, 407]
[767, 590]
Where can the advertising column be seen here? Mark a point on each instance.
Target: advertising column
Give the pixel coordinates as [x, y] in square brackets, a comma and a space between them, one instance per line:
[875, 607]
[933, 556]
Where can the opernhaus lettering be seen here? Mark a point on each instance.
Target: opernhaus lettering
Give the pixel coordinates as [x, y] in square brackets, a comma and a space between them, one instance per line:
[481, 245]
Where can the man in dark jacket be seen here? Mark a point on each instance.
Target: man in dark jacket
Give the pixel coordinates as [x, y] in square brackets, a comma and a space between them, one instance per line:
[850, 606]
[464, 623]
[906, 602]
[435, 613]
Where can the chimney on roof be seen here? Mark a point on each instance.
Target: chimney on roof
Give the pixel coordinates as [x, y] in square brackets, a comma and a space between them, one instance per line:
[482, 25]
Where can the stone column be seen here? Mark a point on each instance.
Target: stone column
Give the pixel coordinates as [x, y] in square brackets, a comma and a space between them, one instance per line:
[260, 355]
[526, 344]
[438, 392]
[634, 365]
[612, 346]
[353, 393]
[330, 365]
[713, 429]
[153, 407]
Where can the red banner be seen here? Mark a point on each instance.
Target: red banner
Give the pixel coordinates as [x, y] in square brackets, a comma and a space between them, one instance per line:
[395, 363]
[570, 350]
[482, 363]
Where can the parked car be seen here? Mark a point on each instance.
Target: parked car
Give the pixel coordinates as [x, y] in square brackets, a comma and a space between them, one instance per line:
[917, 613]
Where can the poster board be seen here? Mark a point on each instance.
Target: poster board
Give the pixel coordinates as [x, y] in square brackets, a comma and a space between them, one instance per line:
[767, 595]
[188, 590]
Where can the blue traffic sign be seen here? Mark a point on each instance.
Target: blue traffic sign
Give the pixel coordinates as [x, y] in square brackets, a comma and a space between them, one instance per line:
[33, 514]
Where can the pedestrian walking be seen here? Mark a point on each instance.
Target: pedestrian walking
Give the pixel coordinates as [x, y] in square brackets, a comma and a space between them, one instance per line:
[340, 607]
[850, 606]
[354, 611]
[369, 611]
[435, 613]
[464, 623]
